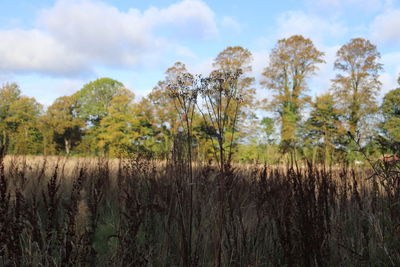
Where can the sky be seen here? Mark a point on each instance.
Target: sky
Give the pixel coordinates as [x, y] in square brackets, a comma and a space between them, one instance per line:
[51, 48]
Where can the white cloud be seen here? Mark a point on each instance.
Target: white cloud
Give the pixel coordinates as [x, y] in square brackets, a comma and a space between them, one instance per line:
[33, 50]
[192, 17]
[385, 29]
[98, 31]
[310, 26]
[76, 35]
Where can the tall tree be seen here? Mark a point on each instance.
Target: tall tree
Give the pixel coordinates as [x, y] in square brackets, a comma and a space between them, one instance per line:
[9, 93]
[236, 59]
[323, 127]
[95, 98]
[356, 85]
[229, 100]
[18, 120]
[291, 62]
[93, 102]
[155, 132]
[164, 114]
[63, 120]
[118, 130]
[268, 129]
[23, 127]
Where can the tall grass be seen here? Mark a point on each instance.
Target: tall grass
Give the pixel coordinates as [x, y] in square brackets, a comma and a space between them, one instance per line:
[137, 212]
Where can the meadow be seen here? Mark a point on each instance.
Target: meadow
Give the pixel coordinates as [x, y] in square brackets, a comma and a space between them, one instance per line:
[58, 211]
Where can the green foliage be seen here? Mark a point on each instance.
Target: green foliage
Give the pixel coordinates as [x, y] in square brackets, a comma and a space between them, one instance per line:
[95, 97]
[391, 114]
[260, 146]
[323, 129]
[18, 122]
[9, 93]
[62, 122]
[268, 128]
[103, 118]
[160, 110]
[117, 129]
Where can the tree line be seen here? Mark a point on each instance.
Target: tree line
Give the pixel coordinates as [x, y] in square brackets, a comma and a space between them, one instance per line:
[218, 114]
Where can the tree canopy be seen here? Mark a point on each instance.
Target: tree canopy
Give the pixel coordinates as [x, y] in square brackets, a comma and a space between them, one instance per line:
[356, 85]
[95, 97]
[291, 62]
[391, 114]
[217, 115]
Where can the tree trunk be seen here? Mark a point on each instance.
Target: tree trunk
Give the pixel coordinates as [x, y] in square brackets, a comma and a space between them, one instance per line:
[4, 138]
[67, 146]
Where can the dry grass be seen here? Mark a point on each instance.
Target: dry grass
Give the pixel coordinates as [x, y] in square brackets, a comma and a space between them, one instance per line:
[133, 212]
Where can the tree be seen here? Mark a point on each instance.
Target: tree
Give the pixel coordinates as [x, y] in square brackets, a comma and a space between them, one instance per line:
[222, 107]
[183, 92]
[154, 129]
[356, 85]
[21, 124]
[9, 93]
[18, 120]
[95, 98]
[118, 130]
[228, 98]
[268, 129]
[323, 127]
[234, 60]
[62, 118]
[93, 102]
[291, 62]
[391, 114]
[164, 115]
[260, 146]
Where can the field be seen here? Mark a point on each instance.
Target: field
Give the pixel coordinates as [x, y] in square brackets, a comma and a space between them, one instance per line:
[57, 211]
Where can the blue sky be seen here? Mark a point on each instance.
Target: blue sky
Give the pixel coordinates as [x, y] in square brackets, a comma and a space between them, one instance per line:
[52, 48]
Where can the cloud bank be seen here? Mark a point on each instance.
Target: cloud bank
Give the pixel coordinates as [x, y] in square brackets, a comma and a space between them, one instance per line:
[385, 28]
[73, 36]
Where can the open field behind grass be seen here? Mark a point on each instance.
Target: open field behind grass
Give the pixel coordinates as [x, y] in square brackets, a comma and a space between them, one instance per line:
[56, 211]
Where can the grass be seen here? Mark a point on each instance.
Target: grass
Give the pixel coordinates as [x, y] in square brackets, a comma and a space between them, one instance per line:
[58, 211]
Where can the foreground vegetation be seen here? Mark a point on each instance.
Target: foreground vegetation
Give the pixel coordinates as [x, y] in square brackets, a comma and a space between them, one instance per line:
[137, 212]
